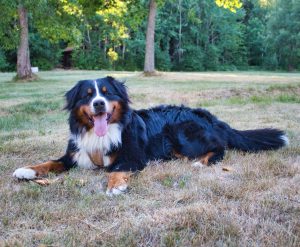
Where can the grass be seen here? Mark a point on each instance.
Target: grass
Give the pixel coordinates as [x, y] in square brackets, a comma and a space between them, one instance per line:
[171, 203]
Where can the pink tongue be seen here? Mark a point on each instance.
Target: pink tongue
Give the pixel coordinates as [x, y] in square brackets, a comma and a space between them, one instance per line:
[100, 124]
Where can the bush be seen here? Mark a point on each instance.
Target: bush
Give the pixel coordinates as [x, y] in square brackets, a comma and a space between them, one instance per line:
[192, 59]
[44, 54]
[211, 58]
[270, 62]
[130, 63]
[162, 60]
[134, 55]
[90, 59]
[3, 61]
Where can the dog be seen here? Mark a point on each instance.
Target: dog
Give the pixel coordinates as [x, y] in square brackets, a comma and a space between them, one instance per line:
[106, 132]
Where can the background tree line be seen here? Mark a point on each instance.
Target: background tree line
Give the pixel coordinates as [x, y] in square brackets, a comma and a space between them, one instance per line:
[190, 35]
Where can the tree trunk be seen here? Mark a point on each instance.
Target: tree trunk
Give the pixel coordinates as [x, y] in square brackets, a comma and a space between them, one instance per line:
[149, 66]
[23, 60]
[180, 32]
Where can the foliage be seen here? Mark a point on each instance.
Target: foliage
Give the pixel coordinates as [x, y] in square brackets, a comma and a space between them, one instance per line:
[91, 59]
[232, 5]
[44, 54]
[61, 22]
[112, 55]
[283, 36]
[191, 35]
[3, 62]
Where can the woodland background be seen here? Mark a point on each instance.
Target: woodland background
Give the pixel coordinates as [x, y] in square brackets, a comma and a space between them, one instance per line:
[190, 35]
[245, 200]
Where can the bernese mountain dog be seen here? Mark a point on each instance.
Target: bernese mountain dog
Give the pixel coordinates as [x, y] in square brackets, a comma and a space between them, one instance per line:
[107, 133]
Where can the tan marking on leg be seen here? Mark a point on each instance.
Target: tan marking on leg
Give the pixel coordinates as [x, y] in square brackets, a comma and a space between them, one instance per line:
[116, 179]
[45, 168]
[205, 158]
[97, 158]
[180, 156]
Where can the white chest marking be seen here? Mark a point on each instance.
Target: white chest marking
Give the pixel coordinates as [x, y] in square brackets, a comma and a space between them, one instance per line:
[106, 160]
[90, 142]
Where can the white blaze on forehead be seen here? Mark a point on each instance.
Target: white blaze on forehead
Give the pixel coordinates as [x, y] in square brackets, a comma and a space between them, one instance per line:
[97, 89]
[98, 97]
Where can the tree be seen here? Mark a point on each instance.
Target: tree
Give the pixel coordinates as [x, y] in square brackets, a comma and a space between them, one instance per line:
[23, 62]
[59, 23]
[106, 30]
[149, 64]
[255, 30]
[283, 39]
[198, 35]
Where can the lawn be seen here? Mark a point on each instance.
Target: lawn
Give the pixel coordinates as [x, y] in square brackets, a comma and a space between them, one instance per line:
[256, 202]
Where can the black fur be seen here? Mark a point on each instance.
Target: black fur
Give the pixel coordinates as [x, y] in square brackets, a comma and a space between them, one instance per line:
[159, 132]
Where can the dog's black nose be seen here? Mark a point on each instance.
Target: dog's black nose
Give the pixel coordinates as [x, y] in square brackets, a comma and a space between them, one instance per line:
[98, 104]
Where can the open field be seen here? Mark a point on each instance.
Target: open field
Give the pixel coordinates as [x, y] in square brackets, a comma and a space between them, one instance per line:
[174, 203]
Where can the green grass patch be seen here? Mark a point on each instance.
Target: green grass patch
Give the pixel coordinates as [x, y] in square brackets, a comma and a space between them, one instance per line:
[13, 121]
[36, 107]
[283, 87]
[285, 98]
[255, 99]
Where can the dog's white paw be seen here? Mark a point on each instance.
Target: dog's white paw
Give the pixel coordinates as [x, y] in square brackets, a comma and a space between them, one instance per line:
[24, 173]
[117, 190]
[198, 164]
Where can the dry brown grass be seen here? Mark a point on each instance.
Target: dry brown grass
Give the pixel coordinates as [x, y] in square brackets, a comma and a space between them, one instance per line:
[256, 203]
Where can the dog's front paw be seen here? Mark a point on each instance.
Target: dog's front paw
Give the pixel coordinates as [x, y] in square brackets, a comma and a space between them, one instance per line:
[25, 173]
[117, 183]
[116, 190]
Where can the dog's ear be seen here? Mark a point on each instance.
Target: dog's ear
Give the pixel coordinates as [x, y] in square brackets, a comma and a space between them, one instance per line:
[72, 96]
[120, 88]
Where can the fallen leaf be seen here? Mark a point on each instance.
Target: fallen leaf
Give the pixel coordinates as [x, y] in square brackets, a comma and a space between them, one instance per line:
[227, 169]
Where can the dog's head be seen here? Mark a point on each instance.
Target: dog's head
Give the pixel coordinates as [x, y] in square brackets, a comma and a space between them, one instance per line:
[97, 103]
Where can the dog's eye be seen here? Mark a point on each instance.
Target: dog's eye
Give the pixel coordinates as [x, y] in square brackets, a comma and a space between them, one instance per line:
[104, 90]
[89, 92]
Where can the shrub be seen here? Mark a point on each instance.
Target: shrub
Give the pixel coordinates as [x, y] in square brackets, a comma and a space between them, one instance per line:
[192, 59]
[271, 62]
[162, 60]
[44, 54]
[211, 58]
[3, 61]
[93, 58]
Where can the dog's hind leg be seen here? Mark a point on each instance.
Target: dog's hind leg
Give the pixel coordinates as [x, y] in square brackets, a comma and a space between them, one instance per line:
[211, 157]
[193, 141]
[205, 159]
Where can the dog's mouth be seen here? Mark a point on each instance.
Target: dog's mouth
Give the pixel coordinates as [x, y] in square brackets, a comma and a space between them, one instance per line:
[100, 121]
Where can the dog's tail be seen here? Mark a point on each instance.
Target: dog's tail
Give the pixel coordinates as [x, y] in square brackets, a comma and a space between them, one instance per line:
[257, 140]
